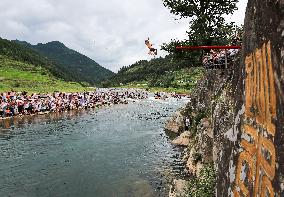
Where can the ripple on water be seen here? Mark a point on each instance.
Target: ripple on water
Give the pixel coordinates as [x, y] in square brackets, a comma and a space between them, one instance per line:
[116, 151]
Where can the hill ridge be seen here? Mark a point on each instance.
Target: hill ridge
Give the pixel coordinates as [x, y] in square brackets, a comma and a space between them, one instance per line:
[23, 69]
[73, 63]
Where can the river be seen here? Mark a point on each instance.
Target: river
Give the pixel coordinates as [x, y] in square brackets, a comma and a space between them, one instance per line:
[120, 150]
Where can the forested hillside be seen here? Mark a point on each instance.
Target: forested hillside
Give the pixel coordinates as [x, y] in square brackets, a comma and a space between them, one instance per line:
[77, 67]
[160, 72]
[20, 76]
[20, 53]
[23, 69]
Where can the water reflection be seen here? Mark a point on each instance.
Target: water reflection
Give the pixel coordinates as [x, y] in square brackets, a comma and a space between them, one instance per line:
[21, 121]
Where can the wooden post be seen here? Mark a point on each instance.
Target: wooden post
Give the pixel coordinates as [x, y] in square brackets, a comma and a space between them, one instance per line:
[226, 59]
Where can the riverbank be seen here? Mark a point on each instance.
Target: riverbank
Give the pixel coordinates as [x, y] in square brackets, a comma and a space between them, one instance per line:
[183, 91]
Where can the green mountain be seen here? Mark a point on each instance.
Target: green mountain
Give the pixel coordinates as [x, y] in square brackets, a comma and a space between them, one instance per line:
[22, 54]
[76, 66]
[23, 69]
[175, 75]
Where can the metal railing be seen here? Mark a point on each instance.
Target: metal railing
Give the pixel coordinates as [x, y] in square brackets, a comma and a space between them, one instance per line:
[215, 59]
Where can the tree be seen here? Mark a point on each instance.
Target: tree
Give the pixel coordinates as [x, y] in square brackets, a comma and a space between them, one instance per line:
[197, 8]
[207, 25]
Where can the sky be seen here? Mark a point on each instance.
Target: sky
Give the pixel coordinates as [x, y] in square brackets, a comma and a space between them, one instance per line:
[111, 32]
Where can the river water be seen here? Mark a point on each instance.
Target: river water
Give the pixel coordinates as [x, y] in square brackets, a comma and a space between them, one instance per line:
[118, 151]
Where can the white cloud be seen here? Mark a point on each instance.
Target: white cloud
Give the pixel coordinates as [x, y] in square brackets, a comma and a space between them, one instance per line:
[239, 15]
[112, 32]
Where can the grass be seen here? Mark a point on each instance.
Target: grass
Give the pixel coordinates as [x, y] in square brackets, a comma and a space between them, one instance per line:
[204, 185]
[19, 76]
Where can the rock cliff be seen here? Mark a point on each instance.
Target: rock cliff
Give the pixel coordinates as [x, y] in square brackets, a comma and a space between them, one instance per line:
[237, 114]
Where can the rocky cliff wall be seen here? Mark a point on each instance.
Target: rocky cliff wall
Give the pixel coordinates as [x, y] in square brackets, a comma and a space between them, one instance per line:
[237, 115]
[256, 164]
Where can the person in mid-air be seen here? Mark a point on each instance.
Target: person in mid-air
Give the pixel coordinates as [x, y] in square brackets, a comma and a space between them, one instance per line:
[152, 50]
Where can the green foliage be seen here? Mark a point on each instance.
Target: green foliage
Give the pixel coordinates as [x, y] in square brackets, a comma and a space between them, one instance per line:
[204, 185]
[161, 72]
[207, 25]
[205, 8]
[195, 116]
[192, 57]
[78, 67]
[21, 76]
[20, 53]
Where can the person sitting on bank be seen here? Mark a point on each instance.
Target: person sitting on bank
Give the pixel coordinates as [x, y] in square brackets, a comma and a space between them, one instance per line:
[3, 108]
[187, 123]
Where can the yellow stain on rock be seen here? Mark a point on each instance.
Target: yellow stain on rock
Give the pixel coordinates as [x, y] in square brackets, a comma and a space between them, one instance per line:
[256, 163]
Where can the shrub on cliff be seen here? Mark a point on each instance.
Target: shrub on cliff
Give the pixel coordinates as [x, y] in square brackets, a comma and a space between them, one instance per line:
[204, 185]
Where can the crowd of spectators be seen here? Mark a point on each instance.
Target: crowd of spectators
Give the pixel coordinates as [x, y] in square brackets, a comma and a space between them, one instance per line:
[21, 103]
[218, 58]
